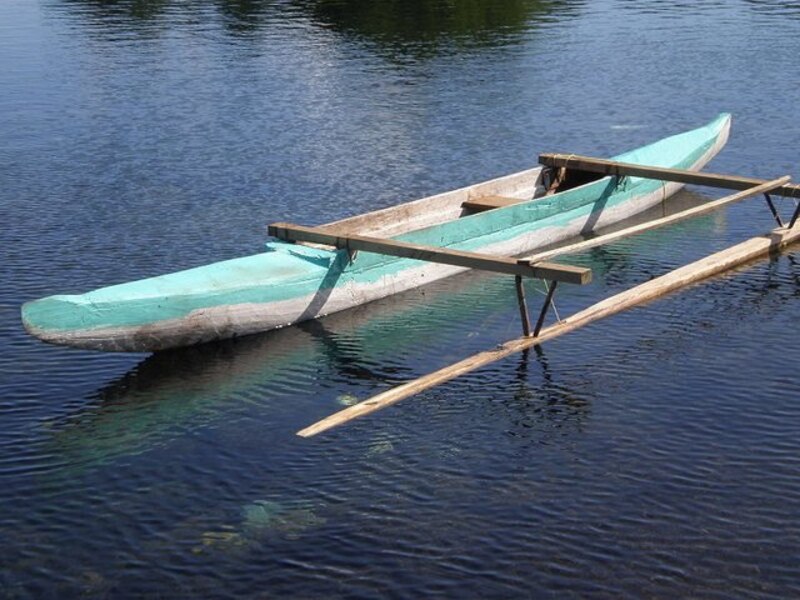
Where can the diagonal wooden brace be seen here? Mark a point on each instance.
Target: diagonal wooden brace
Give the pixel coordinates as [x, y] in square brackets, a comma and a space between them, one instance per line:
[773, 210]
[523, 307]
[548, 301]
[795, 215]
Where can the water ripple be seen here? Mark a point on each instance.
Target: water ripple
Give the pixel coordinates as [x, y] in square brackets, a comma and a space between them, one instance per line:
[651, 454]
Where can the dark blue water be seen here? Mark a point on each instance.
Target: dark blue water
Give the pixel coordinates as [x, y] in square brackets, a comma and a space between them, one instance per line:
[656, 454]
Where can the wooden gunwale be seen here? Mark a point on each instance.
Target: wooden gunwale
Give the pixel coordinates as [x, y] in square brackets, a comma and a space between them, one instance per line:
[756, 247]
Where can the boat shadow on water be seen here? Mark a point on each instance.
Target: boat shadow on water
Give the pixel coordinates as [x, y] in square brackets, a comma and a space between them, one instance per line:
[172, 392]
[284, 375]
[289, 376]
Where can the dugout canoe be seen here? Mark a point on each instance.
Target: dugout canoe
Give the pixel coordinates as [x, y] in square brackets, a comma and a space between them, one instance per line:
[289, 283]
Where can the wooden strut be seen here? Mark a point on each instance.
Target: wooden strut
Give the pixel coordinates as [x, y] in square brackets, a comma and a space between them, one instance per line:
[795, 215]
[773, 210]
[523, 307]
[548, 301]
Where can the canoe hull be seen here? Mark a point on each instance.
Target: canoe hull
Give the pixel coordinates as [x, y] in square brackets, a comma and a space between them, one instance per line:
[353, 284]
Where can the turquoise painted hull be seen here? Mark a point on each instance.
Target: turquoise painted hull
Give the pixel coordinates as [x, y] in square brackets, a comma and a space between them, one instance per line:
[290, 283]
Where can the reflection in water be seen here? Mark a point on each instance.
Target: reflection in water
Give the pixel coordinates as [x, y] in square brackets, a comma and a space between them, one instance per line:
[243, 16]
[347, 356]
[416, 27]
[547, 401]
[775, 8]
[117, 15]
[423, 27]
[185, 389]
[794, 271]
[190, 388]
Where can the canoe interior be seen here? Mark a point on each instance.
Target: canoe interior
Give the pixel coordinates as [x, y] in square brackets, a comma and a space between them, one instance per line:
[441, 208]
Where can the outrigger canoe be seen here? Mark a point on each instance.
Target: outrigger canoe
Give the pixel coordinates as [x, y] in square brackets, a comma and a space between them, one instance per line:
[289, 283]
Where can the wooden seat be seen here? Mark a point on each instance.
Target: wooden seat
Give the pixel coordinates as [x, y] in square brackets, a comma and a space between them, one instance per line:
[489, 203]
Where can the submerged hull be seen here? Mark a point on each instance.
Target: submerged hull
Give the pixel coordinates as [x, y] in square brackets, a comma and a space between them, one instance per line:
[292, 283]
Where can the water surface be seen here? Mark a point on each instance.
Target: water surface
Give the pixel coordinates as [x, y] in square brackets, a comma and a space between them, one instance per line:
[653, 454]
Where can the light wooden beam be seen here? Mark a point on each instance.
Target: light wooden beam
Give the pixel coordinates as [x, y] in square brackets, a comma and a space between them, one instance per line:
[719, 262]
[458, 258]
[611, 167]
[483, 203]
[669, 220]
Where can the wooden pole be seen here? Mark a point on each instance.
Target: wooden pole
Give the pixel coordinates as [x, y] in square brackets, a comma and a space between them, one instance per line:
[611, 167]
[458, 258]
[719, 262]
[679, 216]
[523, 306]
[548, 300]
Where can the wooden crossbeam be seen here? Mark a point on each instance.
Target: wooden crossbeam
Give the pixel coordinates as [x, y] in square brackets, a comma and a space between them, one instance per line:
[601, 240]
[458, 258]
[611, 167]
[716, 263]
[483, 203]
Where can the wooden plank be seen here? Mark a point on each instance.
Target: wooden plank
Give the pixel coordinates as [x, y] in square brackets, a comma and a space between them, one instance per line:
[610, 167]
[489, 203]
[668, 220]
[458, 258]
[719, 262]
